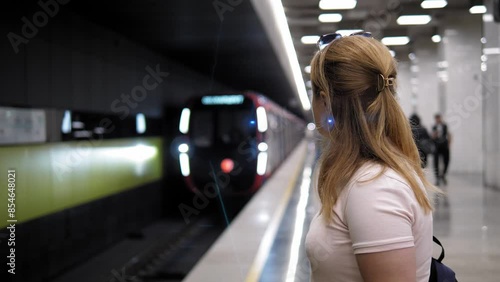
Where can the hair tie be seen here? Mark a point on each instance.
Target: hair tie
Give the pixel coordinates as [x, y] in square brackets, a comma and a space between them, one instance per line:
[383, 82]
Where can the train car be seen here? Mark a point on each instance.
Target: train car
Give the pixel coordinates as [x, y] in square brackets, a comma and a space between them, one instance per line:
[234, 142]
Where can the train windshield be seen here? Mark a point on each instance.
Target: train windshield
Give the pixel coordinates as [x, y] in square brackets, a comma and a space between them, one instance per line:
[222, 126]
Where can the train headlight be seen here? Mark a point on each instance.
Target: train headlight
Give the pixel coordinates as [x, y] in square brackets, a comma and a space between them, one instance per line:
[184, 163]
[227, 165]
[183, 148]
[261, 119]
[262, 163]
[184, 122]
[262, 146]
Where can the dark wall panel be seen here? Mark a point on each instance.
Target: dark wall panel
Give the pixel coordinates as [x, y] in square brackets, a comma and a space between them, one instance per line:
[12, 68]
[53, 243]
[73, 63]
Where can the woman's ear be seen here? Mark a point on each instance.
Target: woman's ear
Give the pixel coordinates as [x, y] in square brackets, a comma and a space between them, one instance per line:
[323, 113]
[325, 99]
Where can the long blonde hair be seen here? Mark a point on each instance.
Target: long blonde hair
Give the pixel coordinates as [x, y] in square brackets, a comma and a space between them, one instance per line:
[369, 125]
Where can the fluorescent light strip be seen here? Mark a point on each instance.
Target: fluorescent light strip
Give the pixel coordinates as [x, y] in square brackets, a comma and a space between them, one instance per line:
[261, 119]
[298, 230]
[414, 20]
[488, 18]
[309, 39]
[478, 9]
[330, 18]
[262, 163]
[433, 4]
[396, 40]
[337, 4]
[138, 153]
[491, 51]
[286, 37]
[184, 163]
[184, 122]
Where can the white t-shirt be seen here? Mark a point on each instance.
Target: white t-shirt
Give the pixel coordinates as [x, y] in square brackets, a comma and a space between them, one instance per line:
[370, 216]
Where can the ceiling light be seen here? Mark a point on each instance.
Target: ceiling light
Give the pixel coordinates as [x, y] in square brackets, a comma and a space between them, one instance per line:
[396, 40]
[393, 53]
[478, 9]
[309, 39]
[414, 20]
[433, 4]
[488, 18]
[491, 51]
[307, 69]
[330, 18]
[436, 38]
[337, 4]
[347, 32]
[281, 24]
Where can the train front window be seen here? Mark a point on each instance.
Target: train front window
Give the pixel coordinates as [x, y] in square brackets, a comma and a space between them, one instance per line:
[202, 128]
[234, 126]
[222, 126]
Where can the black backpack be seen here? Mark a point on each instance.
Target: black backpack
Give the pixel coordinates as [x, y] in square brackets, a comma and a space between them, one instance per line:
[439, 271]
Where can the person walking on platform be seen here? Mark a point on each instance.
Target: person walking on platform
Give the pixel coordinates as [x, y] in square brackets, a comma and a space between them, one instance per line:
[375, 221]
[425, 144]
[442, 140]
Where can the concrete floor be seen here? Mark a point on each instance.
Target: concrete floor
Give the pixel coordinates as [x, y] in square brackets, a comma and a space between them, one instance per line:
[467, 222]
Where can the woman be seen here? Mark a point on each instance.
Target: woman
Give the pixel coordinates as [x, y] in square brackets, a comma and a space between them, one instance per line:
[375, 222]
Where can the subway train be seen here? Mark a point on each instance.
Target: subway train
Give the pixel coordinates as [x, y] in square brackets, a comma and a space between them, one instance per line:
[234, 142]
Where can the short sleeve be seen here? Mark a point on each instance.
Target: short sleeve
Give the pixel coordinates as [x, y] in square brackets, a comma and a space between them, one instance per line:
[379, 215]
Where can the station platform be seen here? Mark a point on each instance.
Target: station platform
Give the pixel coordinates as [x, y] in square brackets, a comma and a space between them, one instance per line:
[265, 242]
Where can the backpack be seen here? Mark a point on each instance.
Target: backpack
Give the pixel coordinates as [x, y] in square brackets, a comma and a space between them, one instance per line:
[427, 146]
[439, 271]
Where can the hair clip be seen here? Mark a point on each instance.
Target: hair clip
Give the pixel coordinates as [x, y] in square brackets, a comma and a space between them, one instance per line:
[386, 82]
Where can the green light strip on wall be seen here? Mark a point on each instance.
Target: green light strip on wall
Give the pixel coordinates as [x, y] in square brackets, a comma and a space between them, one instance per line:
[56, 176]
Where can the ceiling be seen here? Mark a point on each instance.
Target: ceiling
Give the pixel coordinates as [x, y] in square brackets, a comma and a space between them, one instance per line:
[376, 16]
[235, 52]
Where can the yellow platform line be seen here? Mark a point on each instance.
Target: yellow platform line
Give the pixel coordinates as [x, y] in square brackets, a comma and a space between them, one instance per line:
[267, 240]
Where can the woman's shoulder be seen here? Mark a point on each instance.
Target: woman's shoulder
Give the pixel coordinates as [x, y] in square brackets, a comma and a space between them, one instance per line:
[375, 175]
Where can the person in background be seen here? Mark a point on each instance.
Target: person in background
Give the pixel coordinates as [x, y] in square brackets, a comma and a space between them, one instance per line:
[442, 140]
[425, 144]
[375, 221]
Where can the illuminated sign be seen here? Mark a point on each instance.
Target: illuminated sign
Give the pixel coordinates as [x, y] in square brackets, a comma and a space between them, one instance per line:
[223, 100]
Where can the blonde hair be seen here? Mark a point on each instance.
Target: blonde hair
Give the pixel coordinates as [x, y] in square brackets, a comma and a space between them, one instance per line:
[369, 125]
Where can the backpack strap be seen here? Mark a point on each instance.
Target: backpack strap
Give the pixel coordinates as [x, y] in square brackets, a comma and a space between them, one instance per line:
[441, 257]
